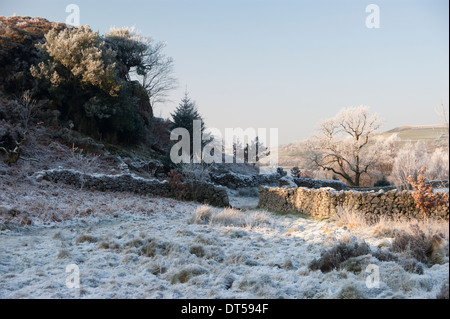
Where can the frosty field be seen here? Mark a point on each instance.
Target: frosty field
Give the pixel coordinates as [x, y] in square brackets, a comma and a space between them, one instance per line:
[134, 246]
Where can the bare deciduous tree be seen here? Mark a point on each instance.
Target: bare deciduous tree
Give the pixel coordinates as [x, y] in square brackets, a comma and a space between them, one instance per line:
[442, 111]
[342, 145]
[85, 163]
[145, 61]
[156, 73]
[26, 110]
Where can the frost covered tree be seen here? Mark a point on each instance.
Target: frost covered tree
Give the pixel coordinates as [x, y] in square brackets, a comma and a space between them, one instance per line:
[142, 60]
[89, 79]
[130, 48]
[77, 55]
[82, 75]
[382, 150]
[145, 61]
[411, 157]
[438, 164]
[343, 143]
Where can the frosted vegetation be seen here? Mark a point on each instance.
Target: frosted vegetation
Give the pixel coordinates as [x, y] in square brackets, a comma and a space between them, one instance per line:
[66, 89]
[348, 147]
[390, 158]
[137, 246]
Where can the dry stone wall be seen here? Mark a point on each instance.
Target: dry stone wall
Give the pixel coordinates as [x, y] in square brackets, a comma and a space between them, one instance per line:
[236, 181]
[319, 183]
[324, 202]
[199, 191]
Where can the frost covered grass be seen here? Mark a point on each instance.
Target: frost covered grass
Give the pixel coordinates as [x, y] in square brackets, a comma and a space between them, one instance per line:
[415, 242]
[31, 203]
[230, 217]
[349, 218]
[353, 219]
[137, 246]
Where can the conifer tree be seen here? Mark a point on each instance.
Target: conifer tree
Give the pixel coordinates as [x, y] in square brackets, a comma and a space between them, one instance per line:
[184, 115]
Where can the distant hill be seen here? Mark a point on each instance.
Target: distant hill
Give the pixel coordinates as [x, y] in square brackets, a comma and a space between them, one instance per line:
[434, 135]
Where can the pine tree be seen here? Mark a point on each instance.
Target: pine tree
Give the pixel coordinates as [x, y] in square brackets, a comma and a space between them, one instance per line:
[184, 115]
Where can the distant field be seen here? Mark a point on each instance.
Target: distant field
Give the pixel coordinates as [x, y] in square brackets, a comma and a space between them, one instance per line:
[437, 134]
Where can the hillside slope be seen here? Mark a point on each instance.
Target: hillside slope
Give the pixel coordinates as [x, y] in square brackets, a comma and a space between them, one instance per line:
[433, 134]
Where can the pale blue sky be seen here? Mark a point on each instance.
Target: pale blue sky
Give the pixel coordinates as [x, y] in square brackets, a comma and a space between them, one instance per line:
[287, 64]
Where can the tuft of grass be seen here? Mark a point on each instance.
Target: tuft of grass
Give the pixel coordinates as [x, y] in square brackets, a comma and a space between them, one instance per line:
[109, 245]
[188, 272]
[242, 259]
[63, 254]
[412, 265]
[388, 227]
[135, 243]
[158, 269]
[425, 248]
[234, 217]
[86, 238]
[153, 247]
[355, 264]
[58, 235]
[350, 291]
[202, 215]
[288, 265]
[384, 255]
[346, 216]
[335, 256]
[198, 251]
[230, 217]
[443, 294]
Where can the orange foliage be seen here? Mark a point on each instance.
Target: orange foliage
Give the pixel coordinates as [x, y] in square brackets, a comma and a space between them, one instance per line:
[175, 180]
[424, 197]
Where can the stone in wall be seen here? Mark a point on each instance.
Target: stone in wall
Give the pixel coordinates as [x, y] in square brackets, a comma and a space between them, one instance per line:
[287, 181]
[234, 181]
[318, 183]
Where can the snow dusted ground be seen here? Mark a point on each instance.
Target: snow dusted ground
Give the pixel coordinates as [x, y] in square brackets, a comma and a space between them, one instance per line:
[134, 246]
